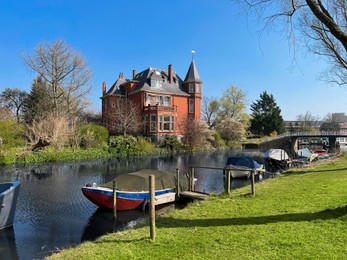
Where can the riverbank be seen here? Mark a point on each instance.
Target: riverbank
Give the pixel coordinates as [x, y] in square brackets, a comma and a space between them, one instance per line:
[301, 214]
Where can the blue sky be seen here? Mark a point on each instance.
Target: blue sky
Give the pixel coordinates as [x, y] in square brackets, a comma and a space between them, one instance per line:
[121, 35]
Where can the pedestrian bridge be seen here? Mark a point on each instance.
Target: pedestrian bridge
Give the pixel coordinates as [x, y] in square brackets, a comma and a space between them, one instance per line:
[289, 141]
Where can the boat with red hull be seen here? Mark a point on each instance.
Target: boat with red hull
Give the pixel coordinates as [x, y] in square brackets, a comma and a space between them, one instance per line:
[125, 200]
[132, 189]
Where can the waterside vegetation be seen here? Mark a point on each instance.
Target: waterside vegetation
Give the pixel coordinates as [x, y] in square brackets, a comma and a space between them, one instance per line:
[301, 214]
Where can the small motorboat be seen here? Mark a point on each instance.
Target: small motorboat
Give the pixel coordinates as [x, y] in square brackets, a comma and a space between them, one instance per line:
[242, 166]
[307, 154]
[278, 159]
[8, 200]
[132, 189]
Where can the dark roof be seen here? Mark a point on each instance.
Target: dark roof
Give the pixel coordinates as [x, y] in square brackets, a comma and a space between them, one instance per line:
[192, 74]
[145, 78]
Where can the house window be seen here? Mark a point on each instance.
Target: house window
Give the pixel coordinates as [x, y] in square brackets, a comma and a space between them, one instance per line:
[159, 100]
[149, 100]
[113, 104]
[161, 123]
[172, 123]
[146, 124]
[191, 105]
[166, 125]
[191, 87]
[197, 90]
[153, 123]
[167, 101]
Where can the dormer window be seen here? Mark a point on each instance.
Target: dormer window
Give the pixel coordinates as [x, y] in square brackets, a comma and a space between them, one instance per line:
[191, 87]
[156, 83]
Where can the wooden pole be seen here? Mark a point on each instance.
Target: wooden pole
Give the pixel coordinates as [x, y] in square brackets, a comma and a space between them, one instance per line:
[178, 188]
[152, 206]
[191, 188]
[114, 199]
[229, 177]
[252, 182]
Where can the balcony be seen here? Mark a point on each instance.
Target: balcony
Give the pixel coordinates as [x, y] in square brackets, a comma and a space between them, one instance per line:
[160, 108]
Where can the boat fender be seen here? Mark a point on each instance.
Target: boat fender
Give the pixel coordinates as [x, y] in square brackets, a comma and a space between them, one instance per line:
[144, 204]
[90, 185]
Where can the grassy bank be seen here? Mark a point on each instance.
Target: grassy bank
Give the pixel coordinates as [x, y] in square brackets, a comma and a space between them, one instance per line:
[302, 214]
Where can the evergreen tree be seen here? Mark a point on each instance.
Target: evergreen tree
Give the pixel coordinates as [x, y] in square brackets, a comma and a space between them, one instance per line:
[38, 104]
[266, 116]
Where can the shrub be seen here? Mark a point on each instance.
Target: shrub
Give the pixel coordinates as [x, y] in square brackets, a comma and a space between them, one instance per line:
[93, 136]
[170, 143]
[11, 134]
[129, 145]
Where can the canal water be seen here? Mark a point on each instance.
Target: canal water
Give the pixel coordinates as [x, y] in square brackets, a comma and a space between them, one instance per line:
[53, 214]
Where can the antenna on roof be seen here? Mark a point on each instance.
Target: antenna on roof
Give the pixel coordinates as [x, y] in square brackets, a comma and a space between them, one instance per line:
[193, 52]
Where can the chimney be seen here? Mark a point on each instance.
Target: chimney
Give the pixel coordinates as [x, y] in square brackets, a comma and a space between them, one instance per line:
[134, 74]
[121, 76]
[170, 74]
[103, 87]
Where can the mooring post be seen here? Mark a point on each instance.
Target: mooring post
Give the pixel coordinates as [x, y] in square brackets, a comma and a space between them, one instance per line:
[114, 199]
[252, 181]
[178, 190]
[152, 206]
[191, 188]
[229, 177]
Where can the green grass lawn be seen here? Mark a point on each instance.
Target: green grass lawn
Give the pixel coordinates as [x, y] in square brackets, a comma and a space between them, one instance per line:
[299, 215]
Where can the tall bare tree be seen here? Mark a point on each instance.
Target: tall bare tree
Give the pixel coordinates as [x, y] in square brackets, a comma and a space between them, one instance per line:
[322, 23]
[66, 73]
[125, 117]
[13, 100]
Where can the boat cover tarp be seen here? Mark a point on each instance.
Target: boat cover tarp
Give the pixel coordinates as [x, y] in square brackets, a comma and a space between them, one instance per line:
[139, 181]
[306, 153]
[276, 154]
[244, 161]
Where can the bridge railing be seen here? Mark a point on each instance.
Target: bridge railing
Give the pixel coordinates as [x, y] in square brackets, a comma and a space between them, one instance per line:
[339, 133]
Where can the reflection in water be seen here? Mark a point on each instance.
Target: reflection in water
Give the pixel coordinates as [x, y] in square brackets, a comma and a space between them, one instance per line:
[52, 212]
[102, 222]
[8, 248]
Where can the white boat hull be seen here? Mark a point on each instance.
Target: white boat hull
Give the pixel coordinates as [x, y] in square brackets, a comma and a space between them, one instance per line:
[8, 200]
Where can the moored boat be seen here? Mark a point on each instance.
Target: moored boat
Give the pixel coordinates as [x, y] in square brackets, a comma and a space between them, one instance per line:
[8, 200]
[278, 159]
[132, 190]
[242, 166]
[307, 154]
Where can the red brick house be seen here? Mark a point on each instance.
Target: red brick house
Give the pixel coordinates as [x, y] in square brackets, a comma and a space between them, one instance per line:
[165, 102]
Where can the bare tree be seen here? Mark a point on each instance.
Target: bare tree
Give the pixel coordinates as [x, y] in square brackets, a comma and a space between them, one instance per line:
[331, 122]
[13, 100]
[51, 130]
[308, 122]
[125, 117]
[66, 74]
[322, 23]
[197, 134]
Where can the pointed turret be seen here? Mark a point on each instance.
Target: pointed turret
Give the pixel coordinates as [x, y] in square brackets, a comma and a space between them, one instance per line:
[192, 74]
[193, 86]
